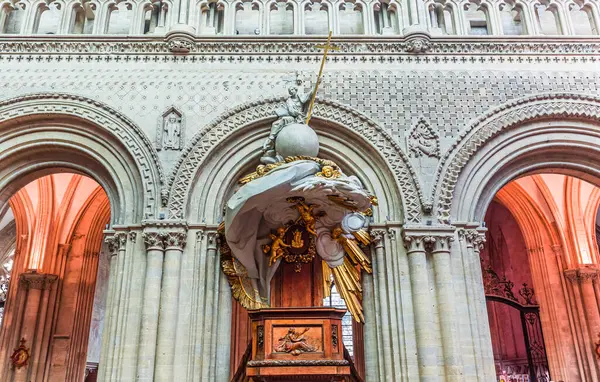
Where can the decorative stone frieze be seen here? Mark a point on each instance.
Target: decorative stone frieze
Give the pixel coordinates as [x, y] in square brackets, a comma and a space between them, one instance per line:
[34, 280]
[582, 275]
[252, 45]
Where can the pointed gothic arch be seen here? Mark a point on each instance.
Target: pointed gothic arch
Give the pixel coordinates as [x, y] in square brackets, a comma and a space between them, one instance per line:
[45, 133]
[366, 134]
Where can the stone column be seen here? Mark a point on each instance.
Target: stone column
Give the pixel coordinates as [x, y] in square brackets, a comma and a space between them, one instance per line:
[475, 239]
[117, 246]
[442, 269]
[175, 239]
[582, 279]
[428, 345]
[383, 320]
[155, 247]
[37, 287]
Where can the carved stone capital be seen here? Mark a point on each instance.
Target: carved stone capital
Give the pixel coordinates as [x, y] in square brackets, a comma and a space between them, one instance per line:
[582, 275]
[378, 236]
[428, 238]
[34, 280]
[442, 243]
[113, 245]
[164, 234]
[121, 238]
[175, 240]
[475, 238]
[417, 242]
[154, 240]
[211, 239]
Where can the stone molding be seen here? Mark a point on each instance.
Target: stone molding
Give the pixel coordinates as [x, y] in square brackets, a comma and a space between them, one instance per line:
[269, 45]
[510, 115]
[34, 280]
[99, 114]
[204, 142]
[582, 274]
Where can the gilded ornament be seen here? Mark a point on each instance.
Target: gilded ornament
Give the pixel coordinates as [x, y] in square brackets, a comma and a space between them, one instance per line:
[263, 169]
[20, 357]
[277, 246]
[237, 276]
[329, 172]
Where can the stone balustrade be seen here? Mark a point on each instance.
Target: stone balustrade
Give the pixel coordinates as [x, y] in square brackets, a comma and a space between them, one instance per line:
[307, 17]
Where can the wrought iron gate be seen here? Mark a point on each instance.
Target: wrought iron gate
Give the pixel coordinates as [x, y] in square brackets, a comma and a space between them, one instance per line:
[532, 335]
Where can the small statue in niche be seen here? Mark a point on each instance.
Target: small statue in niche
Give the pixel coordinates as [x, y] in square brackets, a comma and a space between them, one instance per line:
[294, 111]
[169, 134]
[172, 132]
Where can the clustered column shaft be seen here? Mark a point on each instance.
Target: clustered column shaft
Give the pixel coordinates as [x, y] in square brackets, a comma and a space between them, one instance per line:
[164, 246]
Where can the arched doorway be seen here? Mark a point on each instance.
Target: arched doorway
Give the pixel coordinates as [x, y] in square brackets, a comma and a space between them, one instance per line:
[555, 134]
[513, 311]
[42, 138]
[52, 306]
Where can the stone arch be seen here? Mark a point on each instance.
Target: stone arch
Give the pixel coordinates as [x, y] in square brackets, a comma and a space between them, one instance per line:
[544, 132]
[240, 119]
[49, 132]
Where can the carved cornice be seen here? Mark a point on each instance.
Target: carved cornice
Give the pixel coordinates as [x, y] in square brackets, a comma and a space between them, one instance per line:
[502, 118]
[34, 280]
[582, 275]
[351, 48]
[298, 362]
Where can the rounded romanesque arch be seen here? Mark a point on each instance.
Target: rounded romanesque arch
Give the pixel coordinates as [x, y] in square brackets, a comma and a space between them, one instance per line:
[239, 120]
[545, 132]
[45, 133]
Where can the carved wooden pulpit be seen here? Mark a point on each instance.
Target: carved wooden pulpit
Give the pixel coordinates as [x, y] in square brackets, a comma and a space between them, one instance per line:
[299, 344]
